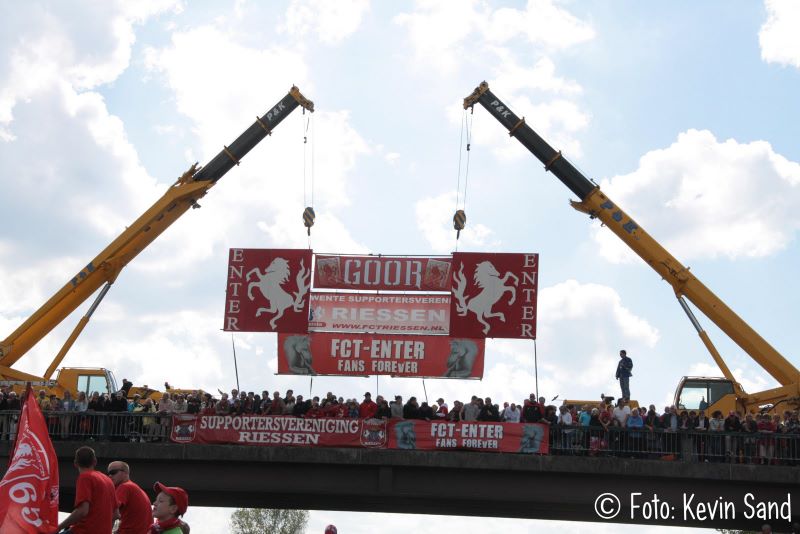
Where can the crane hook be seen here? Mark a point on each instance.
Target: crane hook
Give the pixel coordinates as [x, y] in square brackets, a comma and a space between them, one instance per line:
[459, 222]
[308, 218]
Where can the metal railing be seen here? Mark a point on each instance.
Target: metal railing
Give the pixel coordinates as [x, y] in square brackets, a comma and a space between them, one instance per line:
[687, 445]
[659, 444]
[96, 426]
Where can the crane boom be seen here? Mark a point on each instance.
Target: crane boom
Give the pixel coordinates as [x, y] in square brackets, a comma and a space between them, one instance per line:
[597, 205]
[106, 266]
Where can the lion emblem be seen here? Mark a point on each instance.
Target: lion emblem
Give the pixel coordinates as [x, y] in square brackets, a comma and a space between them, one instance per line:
[269, 285]
[492, 290]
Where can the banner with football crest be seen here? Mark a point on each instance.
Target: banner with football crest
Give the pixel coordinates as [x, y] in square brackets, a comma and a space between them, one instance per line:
[289, 431]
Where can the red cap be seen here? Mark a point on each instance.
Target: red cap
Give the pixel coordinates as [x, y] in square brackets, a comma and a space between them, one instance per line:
[180, 496]
[330, 529]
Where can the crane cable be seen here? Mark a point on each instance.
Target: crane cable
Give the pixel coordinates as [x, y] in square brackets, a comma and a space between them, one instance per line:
[308, 212]
[460, 217]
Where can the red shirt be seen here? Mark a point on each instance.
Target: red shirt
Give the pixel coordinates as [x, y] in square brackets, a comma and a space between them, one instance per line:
[98, 490]
[136, 516]
[367, 410]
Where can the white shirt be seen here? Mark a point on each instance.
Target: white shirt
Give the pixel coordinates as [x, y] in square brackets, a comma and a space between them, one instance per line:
[621, 414]
[511, 416]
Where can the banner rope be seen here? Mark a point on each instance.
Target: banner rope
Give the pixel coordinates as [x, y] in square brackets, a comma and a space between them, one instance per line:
[536, 368]
[308, 212]
[460, 216]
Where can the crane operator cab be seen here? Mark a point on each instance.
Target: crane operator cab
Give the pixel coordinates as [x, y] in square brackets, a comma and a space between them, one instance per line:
[705, 393]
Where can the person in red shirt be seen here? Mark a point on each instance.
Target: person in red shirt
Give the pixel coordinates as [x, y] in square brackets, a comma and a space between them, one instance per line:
[441, 413]
[96, 506]
[134, 504]
[368, 408]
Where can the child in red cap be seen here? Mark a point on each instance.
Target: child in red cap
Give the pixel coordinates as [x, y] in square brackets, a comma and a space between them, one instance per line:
[171, 503]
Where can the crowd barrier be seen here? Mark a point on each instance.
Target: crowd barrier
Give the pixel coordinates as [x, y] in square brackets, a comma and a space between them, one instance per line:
[265, 430]
[686, 445]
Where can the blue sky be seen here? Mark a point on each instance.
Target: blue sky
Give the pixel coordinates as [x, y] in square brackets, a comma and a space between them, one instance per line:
[685, 112]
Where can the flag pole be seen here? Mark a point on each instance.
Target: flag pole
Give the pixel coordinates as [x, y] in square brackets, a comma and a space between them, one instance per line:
[25, 396]
[235, 366]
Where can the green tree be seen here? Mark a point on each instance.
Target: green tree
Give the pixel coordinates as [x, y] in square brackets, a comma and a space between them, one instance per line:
[267, 521]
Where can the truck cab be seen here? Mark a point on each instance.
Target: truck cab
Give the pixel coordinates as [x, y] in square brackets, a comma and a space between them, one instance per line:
[705, 393]
[87, 380]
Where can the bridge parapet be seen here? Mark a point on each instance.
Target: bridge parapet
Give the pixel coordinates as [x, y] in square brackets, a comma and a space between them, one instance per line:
[456, 483]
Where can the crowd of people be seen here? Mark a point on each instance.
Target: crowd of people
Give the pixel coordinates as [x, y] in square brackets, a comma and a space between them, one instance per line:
[593, 428]
[645, 432]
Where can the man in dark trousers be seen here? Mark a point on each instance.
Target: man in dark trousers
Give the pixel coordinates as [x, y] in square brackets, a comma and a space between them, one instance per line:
[624, 368]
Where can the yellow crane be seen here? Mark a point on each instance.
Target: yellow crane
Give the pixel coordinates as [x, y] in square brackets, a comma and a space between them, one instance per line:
[106, 266]
[717, 393]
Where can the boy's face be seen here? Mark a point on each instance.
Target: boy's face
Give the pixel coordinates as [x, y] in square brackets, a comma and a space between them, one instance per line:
[162, 509]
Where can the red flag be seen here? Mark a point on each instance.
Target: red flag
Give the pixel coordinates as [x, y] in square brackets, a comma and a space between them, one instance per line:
[29, 489]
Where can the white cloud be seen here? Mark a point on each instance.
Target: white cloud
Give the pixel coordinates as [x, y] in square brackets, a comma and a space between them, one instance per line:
[513, 77]
[328, 233]
[275, 181]
[581, 327]
[434, 220]
[704, 198]
[514, 50]
[82, 45]
[571, 300]
[441, 32]
[541, 22]
[779, 39]
[225, 102]
[332, 22]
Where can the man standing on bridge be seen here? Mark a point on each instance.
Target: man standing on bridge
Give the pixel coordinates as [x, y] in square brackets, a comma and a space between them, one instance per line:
[136, 516]
[624, 368]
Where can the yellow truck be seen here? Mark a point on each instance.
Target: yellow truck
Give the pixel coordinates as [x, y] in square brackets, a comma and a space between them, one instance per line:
[106, 266]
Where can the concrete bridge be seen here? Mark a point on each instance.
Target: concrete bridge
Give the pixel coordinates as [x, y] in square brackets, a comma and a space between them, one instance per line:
[711, 495]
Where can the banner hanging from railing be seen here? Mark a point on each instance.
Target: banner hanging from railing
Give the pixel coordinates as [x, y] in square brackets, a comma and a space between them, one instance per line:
[324, 353]
[288, 431]
[380, 313]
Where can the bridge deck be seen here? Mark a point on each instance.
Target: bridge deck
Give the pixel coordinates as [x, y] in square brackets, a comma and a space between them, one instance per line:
[450, 483]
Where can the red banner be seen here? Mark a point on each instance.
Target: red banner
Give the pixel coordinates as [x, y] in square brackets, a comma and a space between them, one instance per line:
[267, 290]
[367, 354]
[483, 436]
[287, 431]
[385, 313]
[386, 273]
[29, 489]
[494, 295]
